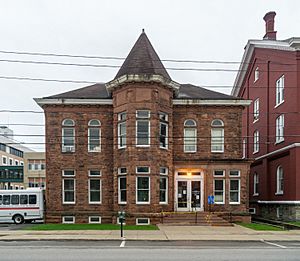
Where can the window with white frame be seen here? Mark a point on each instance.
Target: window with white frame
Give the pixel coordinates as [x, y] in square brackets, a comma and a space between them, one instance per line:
[280, 90]
[163, 130]
[143, 221]
[122, 130]
[256, 74]
[279, 180]
[94, 136]
[68, 135]
[255, 184]
[69, 187]
[244, 148]
[217, 136]
[11, 161]
[234, 191]
[219, 191]
[219, 173]
[94, 220]
[94, 173]
[163, 186]
[142, 190]
[234, 173]
[280, 128]
[256, 110]
[122, 185]
[256, 141]
[190, 136]
[68, 219]
[94, 191]
[142, 170]
[16, 162]
[4, 160]
[143, 128]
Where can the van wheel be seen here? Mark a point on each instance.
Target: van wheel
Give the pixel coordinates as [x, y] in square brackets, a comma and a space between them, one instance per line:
[18, 219]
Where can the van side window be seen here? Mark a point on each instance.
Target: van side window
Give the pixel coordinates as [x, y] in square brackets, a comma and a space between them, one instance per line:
[15, 199]
[6, 199]
[0, 199]
[23, 199]
[32, 199]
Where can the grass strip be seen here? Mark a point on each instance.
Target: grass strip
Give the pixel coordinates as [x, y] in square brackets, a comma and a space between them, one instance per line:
[260, 227]
[45, 227]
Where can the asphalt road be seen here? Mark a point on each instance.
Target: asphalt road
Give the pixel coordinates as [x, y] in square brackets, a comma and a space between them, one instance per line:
[149, 250]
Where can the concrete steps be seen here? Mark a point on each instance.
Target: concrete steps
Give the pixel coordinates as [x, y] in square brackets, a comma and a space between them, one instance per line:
[194, 219]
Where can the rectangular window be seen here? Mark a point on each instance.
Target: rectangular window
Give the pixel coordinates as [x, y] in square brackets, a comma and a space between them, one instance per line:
[280, 90]
[32, 199]
[122, 130]
[163, 171]
[94, 191]
[163, 190]
[23, 199]
[256, 110]
[217, 140]
[255, 184]
[68, 173]
[143, 221]
[143, 128]
[190, 140]
[10, 161]
[280, 128]
[68, 191]
[68, 140]
[244, 148]
[122, 170]
[94, 173]
[4, 160]
[143, 190]
[143, 170]
[15, 199]
[256, 74]
[94, 220]
[94, 139]
[234, 173]
[68, 220]
[219, 173]
[255, 142]
[163, 130]
[122, 185]
[219, 191]
[234, 191]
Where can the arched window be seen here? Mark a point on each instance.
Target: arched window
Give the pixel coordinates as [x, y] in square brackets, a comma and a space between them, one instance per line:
[279, 180]
[190, 136]
[255, 184]
[94, 133]
[68, 135]
[217, 136]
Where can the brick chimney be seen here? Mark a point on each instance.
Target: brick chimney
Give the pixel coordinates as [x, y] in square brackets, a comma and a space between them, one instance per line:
[269, 19]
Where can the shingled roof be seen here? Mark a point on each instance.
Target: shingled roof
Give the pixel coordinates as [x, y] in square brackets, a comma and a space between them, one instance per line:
[96, 91]
[142, 60]
[186, 91]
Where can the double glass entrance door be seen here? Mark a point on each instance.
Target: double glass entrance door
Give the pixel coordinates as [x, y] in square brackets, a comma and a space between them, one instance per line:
[189, 195]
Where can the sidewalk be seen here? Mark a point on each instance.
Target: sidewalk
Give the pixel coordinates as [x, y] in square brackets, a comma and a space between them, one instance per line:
[165, 233]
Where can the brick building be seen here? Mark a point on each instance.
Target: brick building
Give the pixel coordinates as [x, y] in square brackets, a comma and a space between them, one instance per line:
[270, 76]
[144, 144]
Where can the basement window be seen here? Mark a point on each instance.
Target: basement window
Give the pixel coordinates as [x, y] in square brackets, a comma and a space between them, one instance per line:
[68, 220]
[143, 221]
[94, 220]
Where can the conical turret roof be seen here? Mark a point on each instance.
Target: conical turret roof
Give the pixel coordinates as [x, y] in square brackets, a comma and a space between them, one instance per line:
[143, 60]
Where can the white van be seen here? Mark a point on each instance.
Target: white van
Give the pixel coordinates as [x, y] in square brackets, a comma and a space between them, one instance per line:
[21, 205]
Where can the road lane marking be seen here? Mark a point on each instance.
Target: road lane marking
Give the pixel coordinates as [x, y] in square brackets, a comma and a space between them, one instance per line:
[272, 244]
[123, 243]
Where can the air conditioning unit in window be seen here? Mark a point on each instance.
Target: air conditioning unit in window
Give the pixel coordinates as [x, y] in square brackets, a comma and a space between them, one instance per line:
[68, 149]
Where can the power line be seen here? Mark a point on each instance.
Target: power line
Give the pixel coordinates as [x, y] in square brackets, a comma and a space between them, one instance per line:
[133, 67]
[123, 58]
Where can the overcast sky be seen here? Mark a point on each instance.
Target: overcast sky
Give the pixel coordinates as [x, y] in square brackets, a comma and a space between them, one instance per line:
[211, 30]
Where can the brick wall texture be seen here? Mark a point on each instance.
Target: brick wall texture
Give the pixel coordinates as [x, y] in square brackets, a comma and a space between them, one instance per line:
[129, 98]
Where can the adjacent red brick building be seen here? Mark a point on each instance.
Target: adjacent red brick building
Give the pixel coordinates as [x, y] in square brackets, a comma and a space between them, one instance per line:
[144, 144]
[270, 76]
